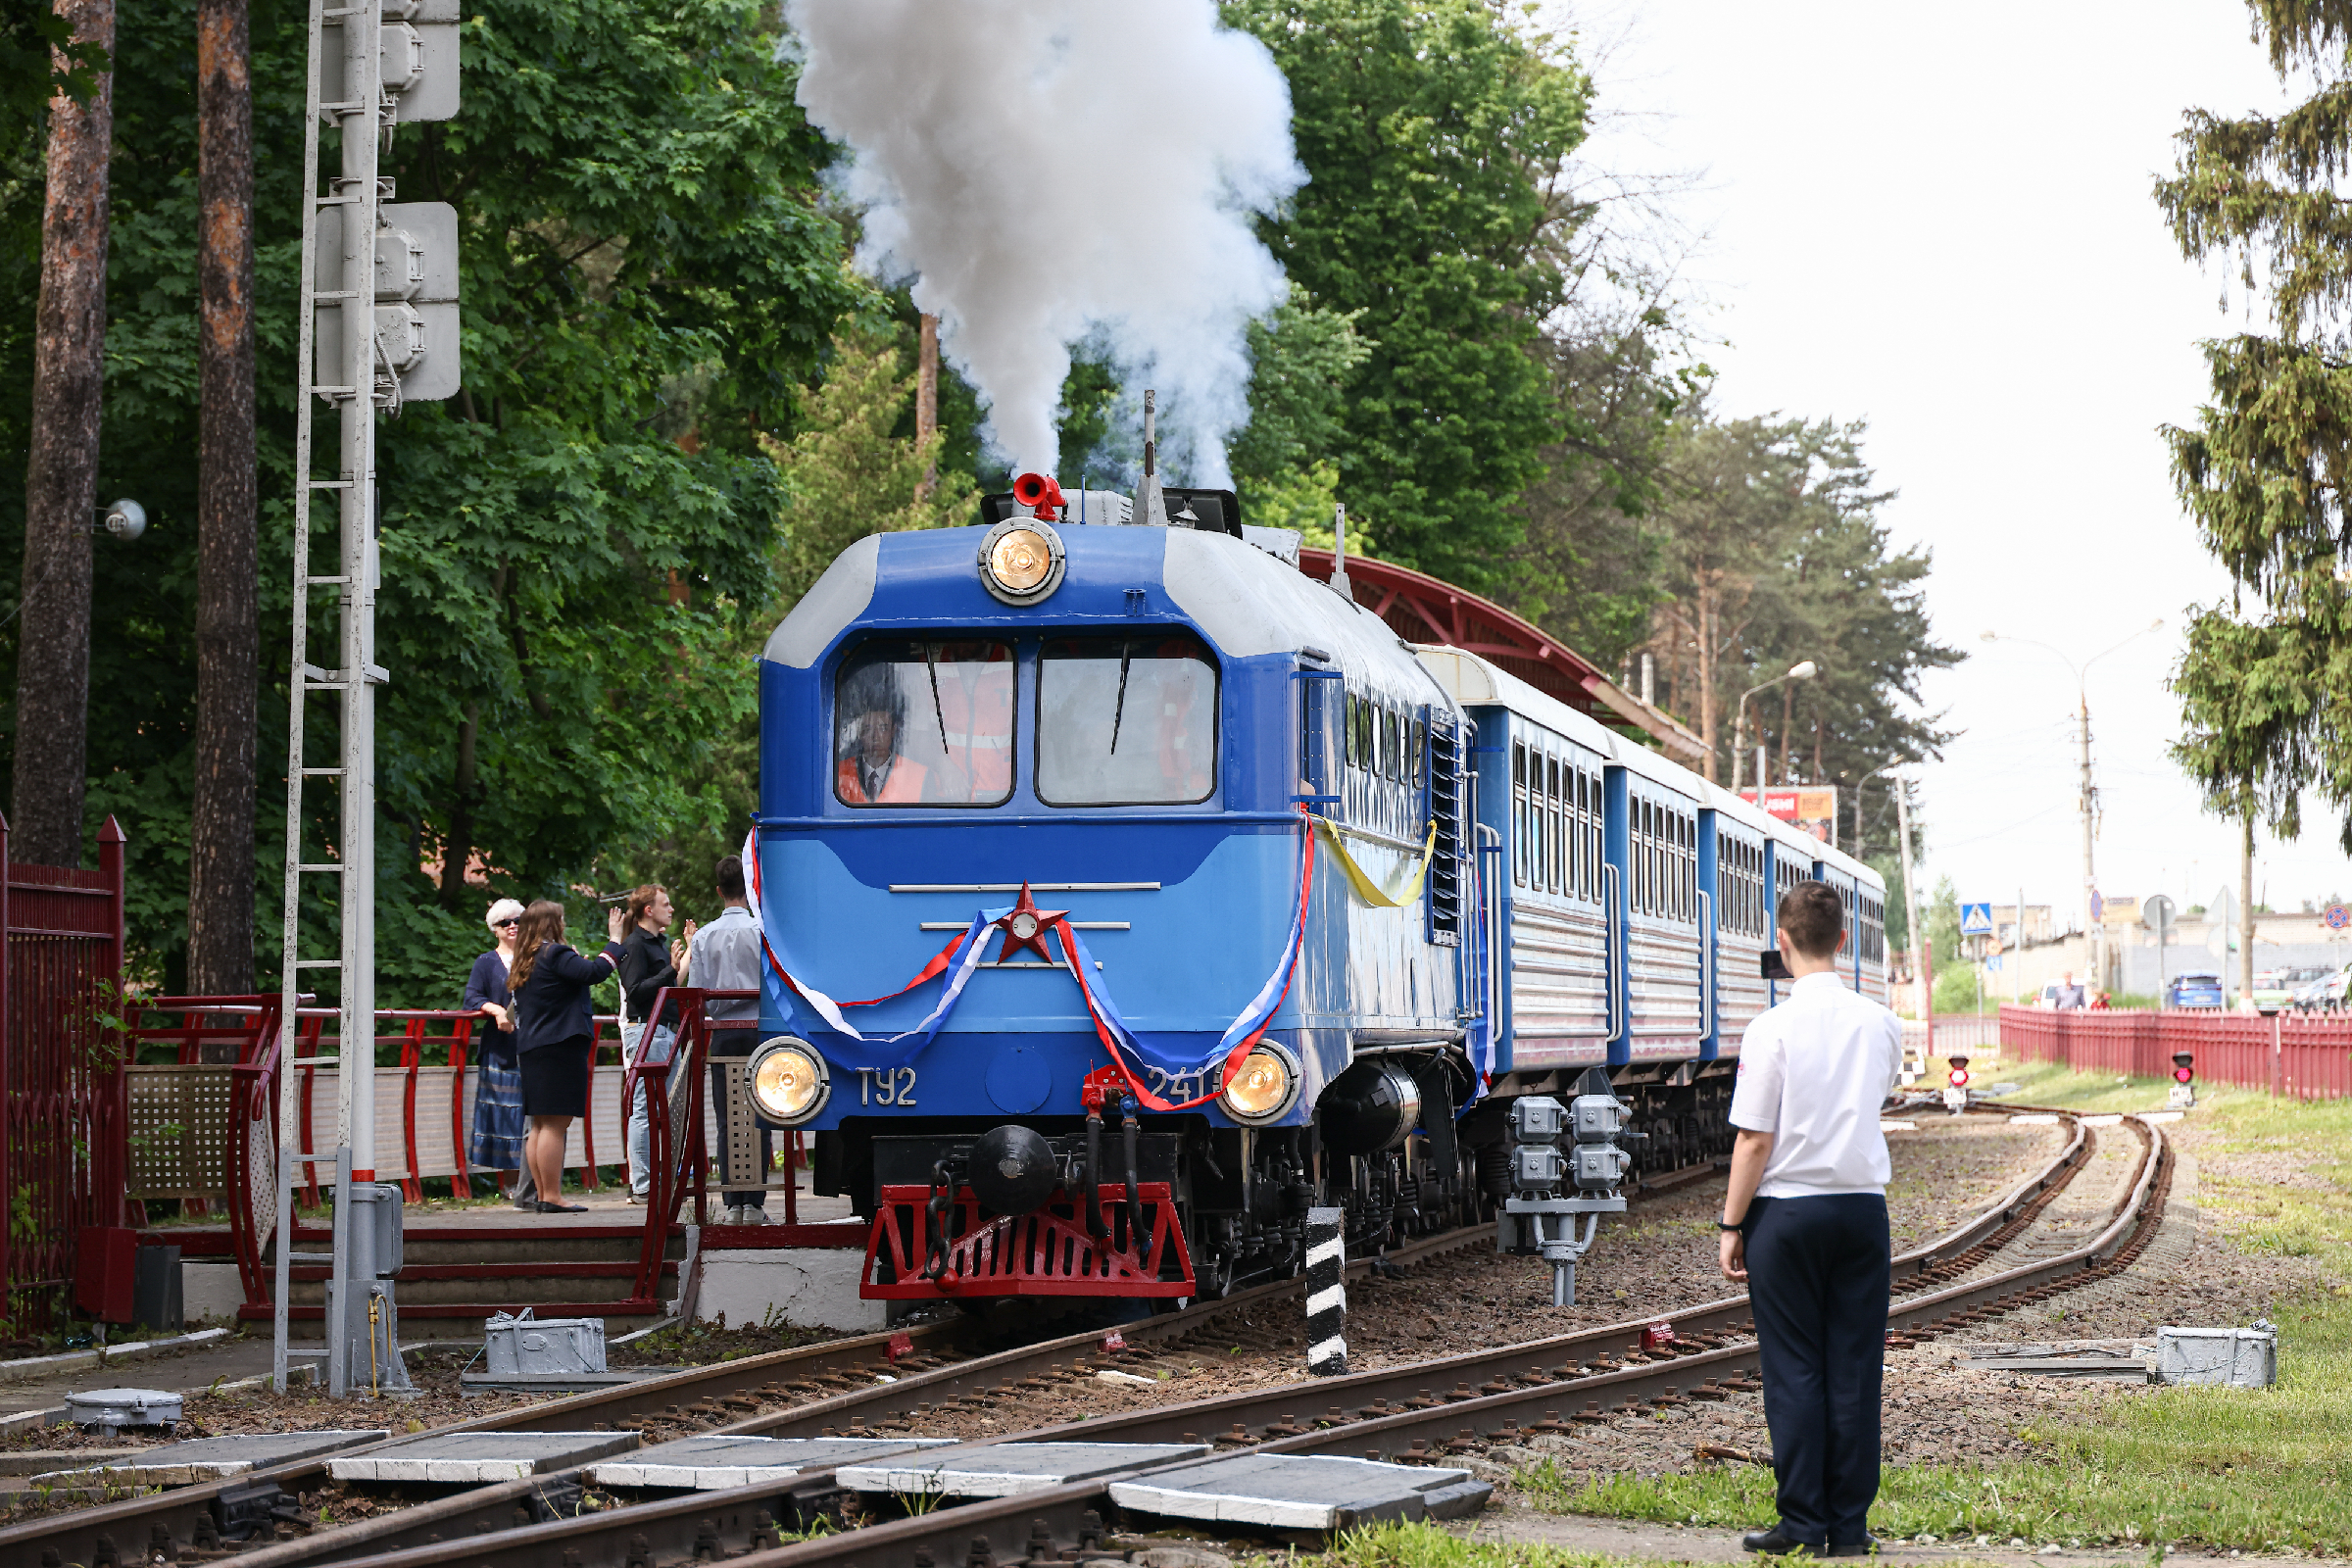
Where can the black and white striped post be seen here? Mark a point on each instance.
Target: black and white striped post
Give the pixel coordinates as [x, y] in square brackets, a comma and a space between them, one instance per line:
[1326, 1293]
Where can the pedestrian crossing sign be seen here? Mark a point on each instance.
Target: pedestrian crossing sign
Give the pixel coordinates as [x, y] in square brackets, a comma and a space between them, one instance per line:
[1975, 919]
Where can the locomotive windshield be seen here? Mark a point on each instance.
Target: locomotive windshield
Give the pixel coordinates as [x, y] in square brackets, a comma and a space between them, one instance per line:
[1126, 721]
[924, 723]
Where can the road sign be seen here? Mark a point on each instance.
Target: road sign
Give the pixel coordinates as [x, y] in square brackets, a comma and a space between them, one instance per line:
[1975, 919]
[1993, 963]
[2156, 912]
[2337, 916]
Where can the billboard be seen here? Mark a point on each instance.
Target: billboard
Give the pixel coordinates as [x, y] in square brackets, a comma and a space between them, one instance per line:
[1810, 806]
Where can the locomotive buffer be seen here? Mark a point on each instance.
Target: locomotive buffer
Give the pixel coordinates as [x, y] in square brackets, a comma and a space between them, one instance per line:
[1566, 1165]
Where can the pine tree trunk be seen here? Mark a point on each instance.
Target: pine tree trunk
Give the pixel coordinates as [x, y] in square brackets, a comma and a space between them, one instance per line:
[221, 851]
[61, 470]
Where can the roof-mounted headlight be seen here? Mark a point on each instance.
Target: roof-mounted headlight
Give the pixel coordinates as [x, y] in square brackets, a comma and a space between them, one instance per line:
[1021, 560]
[788, 1080]
[1266, 1087]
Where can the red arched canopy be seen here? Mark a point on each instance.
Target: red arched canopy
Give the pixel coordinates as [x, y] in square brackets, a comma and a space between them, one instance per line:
[1421, 608]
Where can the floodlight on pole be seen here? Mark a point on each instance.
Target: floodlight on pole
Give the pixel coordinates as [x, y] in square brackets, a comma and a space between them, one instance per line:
[1803, 669]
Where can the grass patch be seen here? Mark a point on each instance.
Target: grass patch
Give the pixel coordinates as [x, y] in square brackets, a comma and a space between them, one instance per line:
[2227, 1468]
[1423, 1546]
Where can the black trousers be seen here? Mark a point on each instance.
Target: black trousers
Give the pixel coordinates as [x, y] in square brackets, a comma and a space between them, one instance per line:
[1818, 1276]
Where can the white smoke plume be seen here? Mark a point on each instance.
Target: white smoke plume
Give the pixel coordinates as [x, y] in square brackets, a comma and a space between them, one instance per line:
[1052, 170]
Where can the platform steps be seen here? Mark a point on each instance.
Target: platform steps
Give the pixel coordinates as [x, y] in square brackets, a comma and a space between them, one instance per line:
[452, 1278]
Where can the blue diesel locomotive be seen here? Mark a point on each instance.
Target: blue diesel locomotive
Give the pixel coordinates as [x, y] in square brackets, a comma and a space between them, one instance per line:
[1128, 892]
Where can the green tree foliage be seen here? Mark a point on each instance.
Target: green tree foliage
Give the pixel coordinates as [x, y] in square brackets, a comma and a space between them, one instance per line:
[1774, 553]
[849, 469]
[32, 37]
[2266, 679]
[850, 472]
[1433, 134]
[570, 547]
[1587, 569]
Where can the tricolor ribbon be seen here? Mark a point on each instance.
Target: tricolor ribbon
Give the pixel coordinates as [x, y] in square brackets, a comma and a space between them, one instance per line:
[961, 957]
[1241, 1036]
[857, 1052]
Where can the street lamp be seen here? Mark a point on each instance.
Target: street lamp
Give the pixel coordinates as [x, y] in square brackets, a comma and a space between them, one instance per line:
[1804, 670]
[2088, 797]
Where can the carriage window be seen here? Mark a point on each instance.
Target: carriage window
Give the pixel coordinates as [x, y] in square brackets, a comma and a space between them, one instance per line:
[924, 723]
[1126, 721]
[1347, 729]
[1416, 748]
[1519, 812]
[1591, 876]
[1396, 768]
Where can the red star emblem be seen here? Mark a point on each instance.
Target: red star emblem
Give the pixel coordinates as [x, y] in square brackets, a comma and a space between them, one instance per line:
[1024, 926]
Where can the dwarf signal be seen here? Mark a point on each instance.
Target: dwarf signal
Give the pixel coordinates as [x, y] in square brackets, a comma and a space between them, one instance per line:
[2184, 1078]
[1955, 1086]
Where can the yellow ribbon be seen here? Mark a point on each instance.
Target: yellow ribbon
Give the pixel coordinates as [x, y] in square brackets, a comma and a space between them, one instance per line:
[1369, 891]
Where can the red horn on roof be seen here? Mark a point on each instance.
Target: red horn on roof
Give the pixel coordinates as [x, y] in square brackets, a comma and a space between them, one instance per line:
[1039, 492]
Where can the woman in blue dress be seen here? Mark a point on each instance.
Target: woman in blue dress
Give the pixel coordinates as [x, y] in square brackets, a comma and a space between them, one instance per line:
[498, 1125]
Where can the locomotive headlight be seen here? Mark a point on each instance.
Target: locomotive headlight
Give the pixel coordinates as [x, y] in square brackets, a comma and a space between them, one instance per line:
[1021, 560]
[789, 1081]
[1266, 1087]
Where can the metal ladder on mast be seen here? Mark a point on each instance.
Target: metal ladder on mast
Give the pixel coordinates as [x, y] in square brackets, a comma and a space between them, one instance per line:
[362, 111]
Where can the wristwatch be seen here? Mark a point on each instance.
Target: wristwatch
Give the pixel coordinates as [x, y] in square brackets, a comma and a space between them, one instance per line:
[1726, 1225]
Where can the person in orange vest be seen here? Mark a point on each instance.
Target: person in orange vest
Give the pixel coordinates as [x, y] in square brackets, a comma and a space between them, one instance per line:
[871, 771]
[975, 716]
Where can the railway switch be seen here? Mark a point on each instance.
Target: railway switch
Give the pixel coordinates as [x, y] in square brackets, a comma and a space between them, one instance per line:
[1566, 1170]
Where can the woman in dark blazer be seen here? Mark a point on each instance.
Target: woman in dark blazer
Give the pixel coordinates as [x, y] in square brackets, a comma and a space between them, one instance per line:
[554, 1024]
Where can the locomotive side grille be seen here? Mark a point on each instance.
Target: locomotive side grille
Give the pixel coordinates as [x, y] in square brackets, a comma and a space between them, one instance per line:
[1445, 859]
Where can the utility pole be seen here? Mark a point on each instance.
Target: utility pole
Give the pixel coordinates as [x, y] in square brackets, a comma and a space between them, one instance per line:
[926, 400]
[2092, 926]
[2016, 970]
[2245, 917]
[1923, 997]
[2086, 794]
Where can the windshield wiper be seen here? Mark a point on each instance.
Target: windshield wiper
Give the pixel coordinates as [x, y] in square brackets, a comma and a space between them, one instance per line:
[1120, 712]
[931, 663]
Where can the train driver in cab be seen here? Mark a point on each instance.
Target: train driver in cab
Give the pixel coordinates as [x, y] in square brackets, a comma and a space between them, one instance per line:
[872, 770]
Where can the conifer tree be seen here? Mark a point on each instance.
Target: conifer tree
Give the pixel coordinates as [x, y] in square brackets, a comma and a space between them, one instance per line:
[2266, 684]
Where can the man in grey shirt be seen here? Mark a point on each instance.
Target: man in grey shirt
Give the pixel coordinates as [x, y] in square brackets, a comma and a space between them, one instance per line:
[725, 956]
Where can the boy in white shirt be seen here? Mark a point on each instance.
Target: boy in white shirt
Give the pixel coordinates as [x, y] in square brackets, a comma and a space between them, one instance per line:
[1804, 1224]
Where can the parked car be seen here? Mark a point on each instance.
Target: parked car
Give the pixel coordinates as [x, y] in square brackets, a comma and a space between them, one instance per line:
[2198, 988]
[2325, 994]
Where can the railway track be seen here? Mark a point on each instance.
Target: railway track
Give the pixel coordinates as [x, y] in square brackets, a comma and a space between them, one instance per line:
[1411, 1411]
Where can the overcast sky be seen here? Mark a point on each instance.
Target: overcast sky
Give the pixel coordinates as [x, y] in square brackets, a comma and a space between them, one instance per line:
[1940, 221]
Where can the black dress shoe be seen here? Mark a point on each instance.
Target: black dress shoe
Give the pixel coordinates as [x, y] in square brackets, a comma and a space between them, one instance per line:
[1775, 1541]
[1855, 1549]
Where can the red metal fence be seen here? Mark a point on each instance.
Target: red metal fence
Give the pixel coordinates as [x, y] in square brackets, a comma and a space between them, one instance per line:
[2292, 1055]
[61, 1117]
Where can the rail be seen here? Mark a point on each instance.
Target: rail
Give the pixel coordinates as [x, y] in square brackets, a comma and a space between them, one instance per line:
[886, 1375]
[2293, 1056]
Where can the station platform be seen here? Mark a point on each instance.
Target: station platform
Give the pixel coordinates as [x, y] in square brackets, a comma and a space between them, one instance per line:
[462, 1263]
